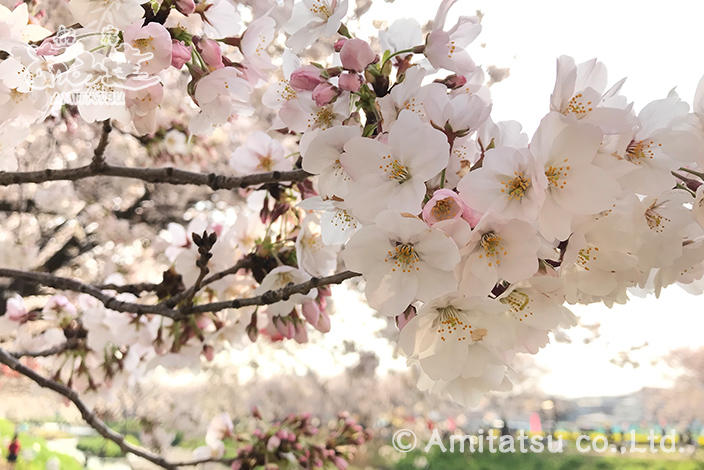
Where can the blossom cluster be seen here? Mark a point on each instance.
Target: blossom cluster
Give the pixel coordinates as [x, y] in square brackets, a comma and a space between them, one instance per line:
[291, 440]
[472, 236]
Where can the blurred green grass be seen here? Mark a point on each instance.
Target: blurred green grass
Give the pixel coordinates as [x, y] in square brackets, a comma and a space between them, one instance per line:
[532, 461]
[37, 446]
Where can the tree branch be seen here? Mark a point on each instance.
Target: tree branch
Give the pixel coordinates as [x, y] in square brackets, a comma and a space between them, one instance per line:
[89, 417]
[273, 296]
[241, 264]
[112, 303]
[63, 347]
[165, 175]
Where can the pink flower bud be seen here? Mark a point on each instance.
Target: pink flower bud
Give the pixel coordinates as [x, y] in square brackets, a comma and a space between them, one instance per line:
[180, 53]
[211, 53]
[446, 205]
[356, 55]
[340, 463]
[186, 6]
[324, 94]
[311, 312]
[208, 352]
[453, 81]
[305, 78]
[339, 43]
[300, 335]
[350, 81]
[15, 309]
[273, 443]
[323, 322]
[236, 465]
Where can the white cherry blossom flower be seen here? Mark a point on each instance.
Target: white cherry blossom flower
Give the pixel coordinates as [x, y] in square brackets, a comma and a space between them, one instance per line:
[314, 19]
[336, 222]
[279, 278]
[314, 256]
[255, 43]
[221, 19]
[220, 94]
[446, 49]
[26, 86]
[393, 175]
[566, 149]
[97, 15]
[498, 250]
[579, 93]
[402, 259]
[259, 154]
[660, 143]
[321, 152]
[454, 336]
[15, 25]
[404, 33]
[510, 184]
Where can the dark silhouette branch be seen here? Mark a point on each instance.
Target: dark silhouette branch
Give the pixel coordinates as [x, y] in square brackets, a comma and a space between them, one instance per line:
[112, 303]
[165, 175]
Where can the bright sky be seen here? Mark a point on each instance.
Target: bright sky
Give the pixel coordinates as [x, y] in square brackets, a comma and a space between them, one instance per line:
[647, 41]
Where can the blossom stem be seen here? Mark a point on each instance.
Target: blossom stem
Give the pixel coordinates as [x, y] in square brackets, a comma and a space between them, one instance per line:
[404, 51]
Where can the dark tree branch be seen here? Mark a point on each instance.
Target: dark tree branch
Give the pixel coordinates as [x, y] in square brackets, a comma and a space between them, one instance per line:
[273, 296]
[112, 303]
[165, 175]
[135, 289]
[241, 264]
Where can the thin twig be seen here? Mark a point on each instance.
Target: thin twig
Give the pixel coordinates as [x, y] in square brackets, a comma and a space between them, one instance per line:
[273, 296]
[63, 347]
[241, 264]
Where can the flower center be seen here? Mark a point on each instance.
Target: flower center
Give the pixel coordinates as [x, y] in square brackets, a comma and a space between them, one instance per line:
[286, 92]
[638, 152]
[266, 163]
[320, 8]
[343, 220]
[395, 170]
[516, 187]
[324, 118]
[586, 256]
[404, 257]
[144, 44]
[450, 324]
[557, 175]
[442, 208]
[654, 219]
[518, 301]
[492, 247]
[578, 106]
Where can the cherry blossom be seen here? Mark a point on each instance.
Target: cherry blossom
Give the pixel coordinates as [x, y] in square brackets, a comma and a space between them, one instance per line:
[260, 153]
[446, 49]
[313, 19]
[219, 95]
[393, 175]
[402, 260]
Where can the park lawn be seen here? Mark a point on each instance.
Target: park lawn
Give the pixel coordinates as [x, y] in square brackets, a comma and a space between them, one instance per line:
[531, 461]
[37, 446]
